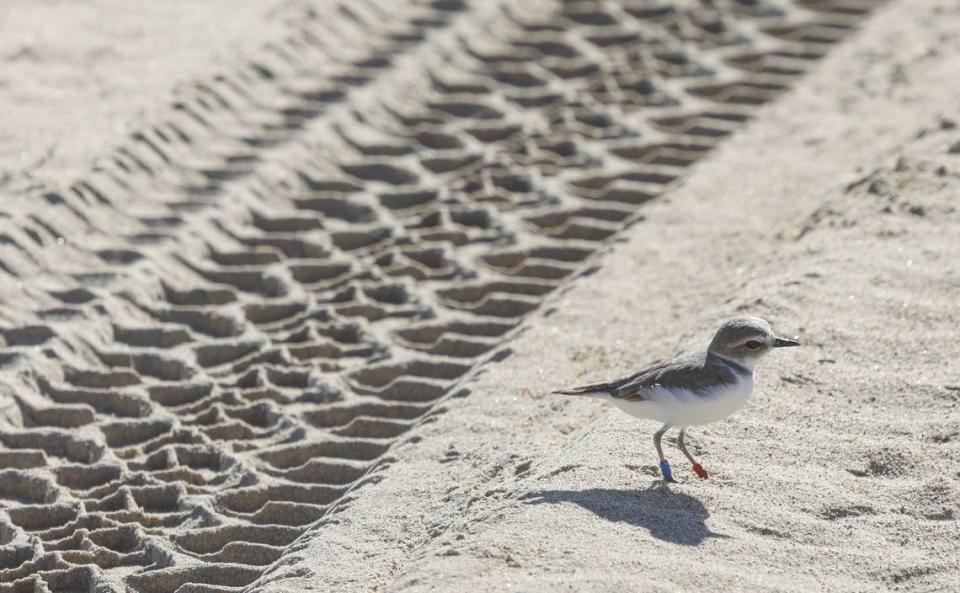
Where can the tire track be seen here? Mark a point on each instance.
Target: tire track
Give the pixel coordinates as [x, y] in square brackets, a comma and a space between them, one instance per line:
[226, 325]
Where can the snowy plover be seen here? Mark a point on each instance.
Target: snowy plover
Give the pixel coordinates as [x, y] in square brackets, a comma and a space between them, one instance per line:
[693, 390]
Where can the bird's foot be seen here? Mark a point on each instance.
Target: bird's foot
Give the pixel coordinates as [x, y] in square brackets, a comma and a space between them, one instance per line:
[666, 471]
[700, 471]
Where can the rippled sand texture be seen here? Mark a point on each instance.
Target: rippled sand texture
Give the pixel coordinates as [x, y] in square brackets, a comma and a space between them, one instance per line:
[221, 329]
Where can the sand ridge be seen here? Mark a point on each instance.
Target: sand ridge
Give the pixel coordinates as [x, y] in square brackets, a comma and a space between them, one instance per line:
[224, 328]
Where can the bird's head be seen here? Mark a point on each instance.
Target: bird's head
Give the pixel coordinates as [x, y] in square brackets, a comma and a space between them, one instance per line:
[745, 340]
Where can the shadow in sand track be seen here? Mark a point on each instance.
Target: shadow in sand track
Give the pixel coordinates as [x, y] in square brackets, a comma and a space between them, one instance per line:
[671, 516]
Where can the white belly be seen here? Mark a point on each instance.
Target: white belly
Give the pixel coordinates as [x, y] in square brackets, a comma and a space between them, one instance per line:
[684, 408]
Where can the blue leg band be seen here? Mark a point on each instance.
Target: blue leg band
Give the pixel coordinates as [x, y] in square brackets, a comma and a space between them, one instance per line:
[665, 469]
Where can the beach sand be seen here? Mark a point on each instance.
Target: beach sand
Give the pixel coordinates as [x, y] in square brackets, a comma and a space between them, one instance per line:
[297, 326]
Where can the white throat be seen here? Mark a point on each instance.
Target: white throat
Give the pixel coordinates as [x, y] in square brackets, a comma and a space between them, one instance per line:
[747, 363]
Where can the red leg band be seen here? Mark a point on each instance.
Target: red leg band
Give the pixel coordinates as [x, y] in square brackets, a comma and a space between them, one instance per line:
[698, 469]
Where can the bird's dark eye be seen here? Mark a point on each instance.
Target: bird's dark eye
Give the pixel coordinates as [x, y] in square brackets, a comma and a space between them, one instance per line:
[752, 345]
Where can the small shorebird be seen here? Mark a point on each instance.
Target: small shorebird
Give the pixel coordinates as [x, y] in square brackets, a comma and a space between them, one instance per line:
[693, 390]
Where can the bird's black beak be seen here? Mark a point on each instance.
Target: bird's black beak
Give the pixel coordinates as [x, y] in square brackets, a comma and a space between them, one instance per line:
[784, 343]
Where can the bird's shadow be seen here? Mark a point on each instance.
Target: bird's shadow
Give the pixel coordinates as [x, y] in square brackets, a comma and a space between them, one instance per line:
[668, 515]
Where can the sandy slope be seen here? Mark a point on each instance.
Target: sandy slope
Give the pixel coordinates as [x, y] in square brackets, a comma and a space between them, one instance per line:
[78, 77]
[835, 217]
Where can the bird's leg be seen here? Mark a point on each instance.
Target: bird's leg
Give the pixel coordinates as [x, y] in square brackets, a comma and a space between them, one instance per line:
[697, 468]
[664, 464]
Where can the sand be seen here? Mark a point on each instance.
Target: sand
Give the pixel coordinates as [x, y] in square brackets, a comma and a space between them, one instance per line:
[298, 333]
[80, 77]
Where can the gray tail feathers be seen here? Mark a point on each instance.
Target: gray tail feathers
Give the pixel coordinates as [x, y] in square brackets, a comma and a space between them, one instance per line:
[592, 390]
